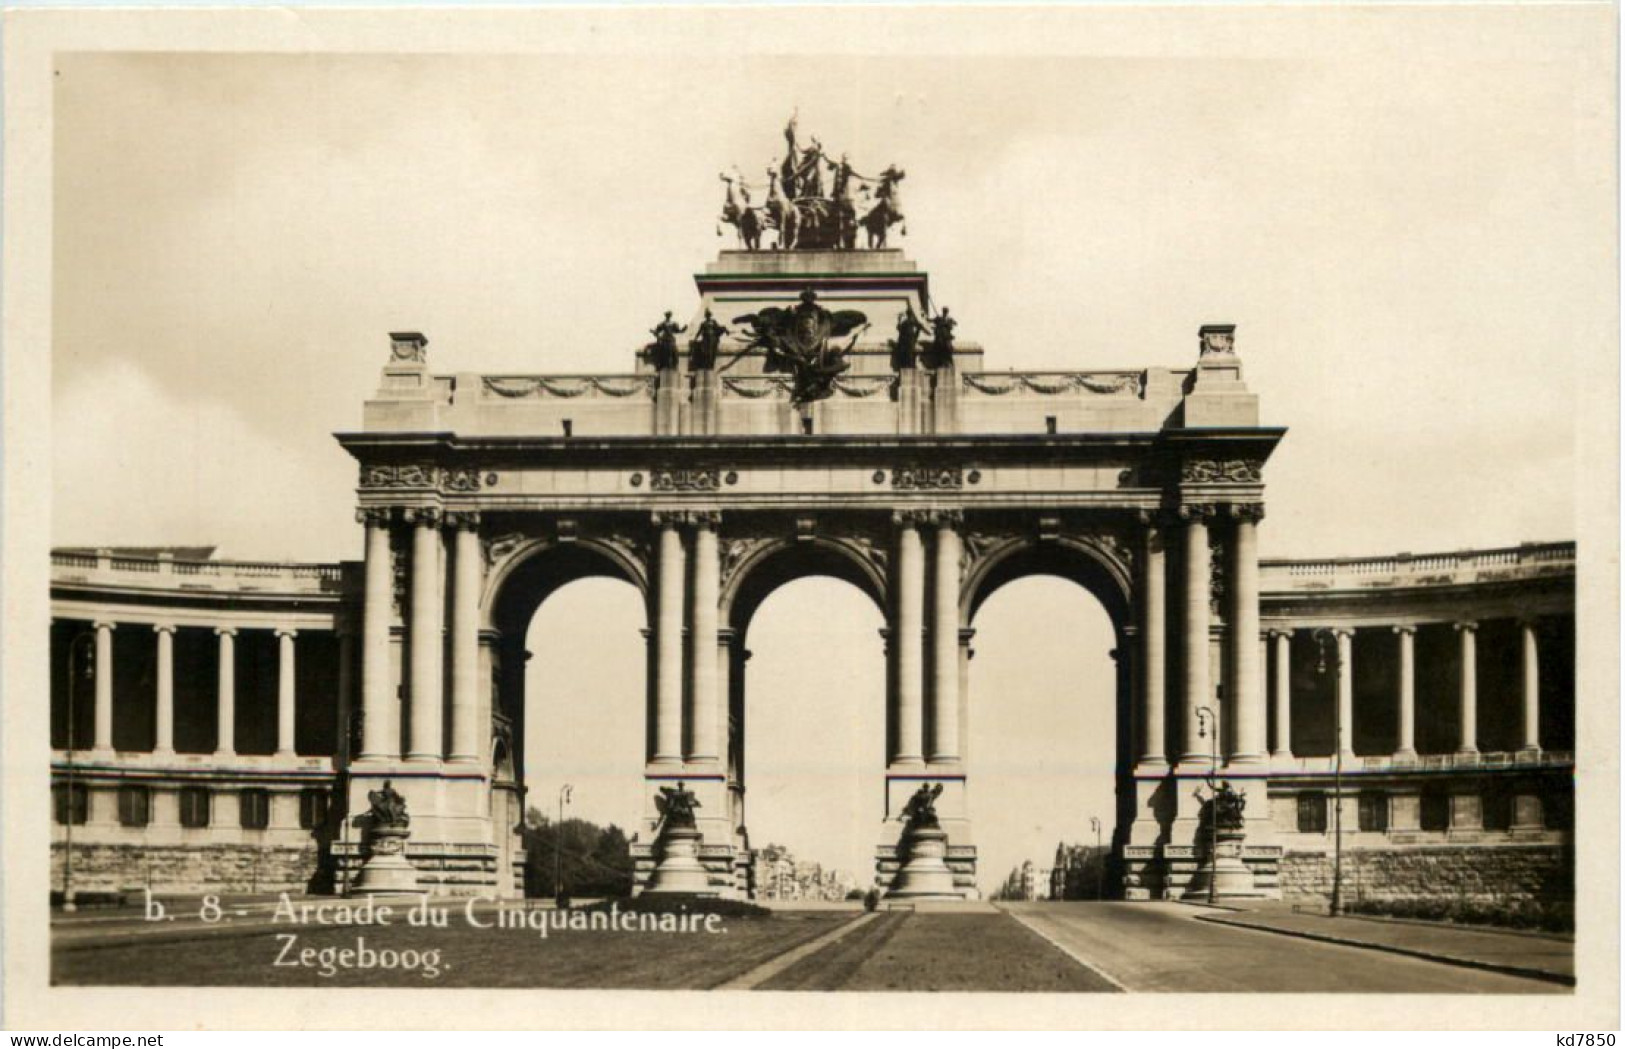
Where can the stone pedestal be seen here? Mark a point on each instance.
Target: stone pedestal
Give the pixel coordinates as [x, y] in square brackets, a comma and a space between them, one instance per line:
[1225, 871]
[925, 873]
[680, 869]
[387, 871]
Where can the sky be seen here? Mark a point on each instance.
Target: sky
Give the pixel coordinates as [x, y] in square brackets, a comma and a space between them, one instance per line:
[1409, 217]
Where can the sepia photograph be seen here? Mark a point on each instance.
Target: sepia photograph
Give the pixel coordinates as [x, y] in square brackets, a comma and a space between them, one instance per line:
[944, 507]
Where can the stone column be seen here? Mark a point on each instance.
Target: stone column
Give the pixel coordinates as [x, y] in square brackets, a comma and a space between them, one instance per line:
[1531, 686]
[164, 737]
[427, 640]
[468, 568]
[906, 640]
[945, 640]
[346, 699]
[285, 697]
[724, 703]
[668, 641]
[380, 702]
[702, 715]
[225, 718]
[1407, 692]
[104, 686]
[1153, 641]
[1468, 710]
[1283, 695]
[1247, 701]
[1197, 686]
[1345, 692]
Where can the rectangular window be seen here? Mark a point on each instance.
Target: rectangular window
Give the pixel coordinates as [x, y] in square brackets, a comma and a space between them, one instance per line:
[254, 807]
[1312, 812]
[312, 808]
[1373, 811]
[1557, 810]
[1435, 810]
[134, 806]
[71, 805]
[194, 806]
[1497, 811]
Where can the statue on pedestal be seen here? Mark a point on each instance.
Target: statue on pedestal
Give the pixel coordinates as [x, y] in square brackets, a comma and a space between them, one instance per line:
[940, 353]
[906, 347]
[386, 870]
[922, 850]
[662, 353]
[702, 349]
[677, 846]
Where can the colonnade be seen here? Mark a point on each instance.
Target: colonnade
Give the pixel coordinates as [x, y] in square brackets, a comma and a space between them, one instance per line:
[104, 673]
[1466, 699]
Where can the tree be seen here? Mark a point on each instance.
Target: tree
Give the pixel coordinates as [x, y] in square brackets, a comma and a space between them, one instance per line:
[592, 860]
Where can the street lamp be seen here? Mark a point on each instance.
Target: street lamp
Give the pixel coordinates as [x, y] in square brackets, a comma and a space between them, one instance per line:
[68, 904]
[558, 847]
[1207, 727]
[1100, 860]
[1325, 638]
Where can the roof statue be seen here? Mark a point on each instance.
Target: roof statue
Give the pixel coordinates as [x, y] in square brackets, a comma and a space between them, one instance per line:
[804, 214]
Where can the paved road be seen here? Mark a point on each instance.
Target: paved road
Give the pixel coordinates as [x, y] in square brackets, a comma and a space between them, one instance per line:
[1164, 947]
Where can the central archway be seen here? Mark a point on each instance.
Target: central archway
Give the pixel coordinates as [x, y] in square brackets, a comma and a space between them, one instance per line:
[1097, 569]
[771, 572]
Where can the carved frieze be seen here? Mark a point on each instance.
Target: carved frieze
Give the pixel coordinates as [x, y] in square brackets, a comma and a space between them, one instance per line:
[1222, 471]
[1051, 384]
[460, 479]
[400, 475]
[519, 387]
[685, 480]
[927, 478]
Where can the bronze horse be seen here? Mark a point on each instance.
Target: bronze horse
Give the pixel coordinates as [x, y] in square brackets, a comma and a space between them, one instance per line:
[888, 209]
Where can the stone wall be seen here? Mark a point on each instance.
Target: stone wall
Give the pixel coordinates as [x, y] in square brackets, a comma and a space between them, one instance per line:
[192, 868]
[1478, 873]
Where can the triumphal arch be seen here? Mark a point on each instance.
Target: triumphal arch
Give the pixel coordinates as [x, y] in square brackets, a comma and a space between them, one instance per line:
[816, 414]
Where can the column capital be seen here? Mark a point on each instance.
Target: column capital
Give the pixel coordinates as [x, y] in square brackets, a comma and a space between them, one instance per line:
[1253, 512]
[667, 518]
[375, 516]
[286, 631]
[705, 520]
[1467, 625]
[104, 624]
[225, 631]
[910, 518]
[423, 516]
[163, 628]
[1193, 513]
[944, 520]
[463, 520]
[1404, 628]
[1275, 632]
[1341, 631]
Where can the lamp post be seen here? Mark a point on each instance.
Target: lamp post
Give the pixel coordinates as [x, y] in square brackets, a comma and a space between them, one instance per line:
[68, 903]
[1207, 726]
[1100, 860]
[1324, 639]
[558, 847]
